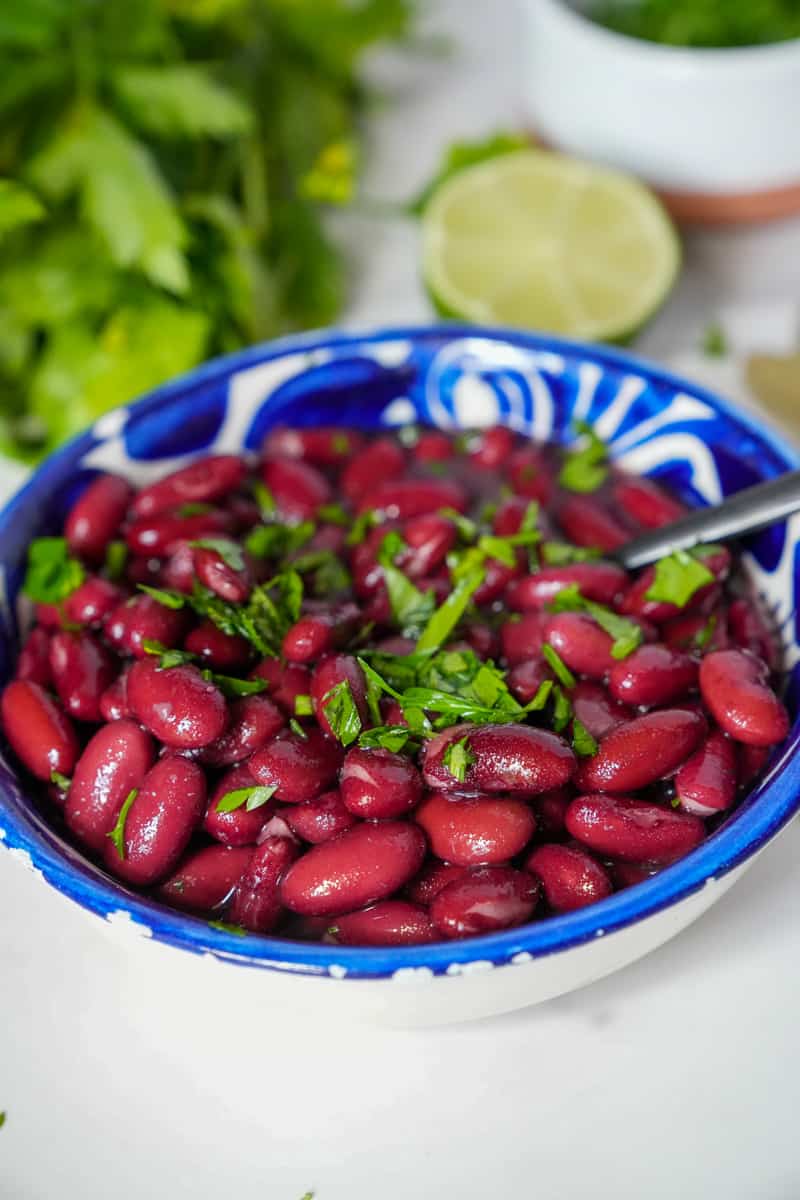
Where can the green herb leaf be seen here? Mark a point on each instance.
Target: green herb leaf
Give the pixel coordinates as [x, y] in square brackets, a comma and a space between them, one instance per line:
[715, 344]
[559, 554]
[229, 551]
[52, 574]
[193, 508]
[559, 667]
[411, 608]
[264, 499]
[562, 708]
[585, 469]
[169, 599]
[249, 797]
[677, 578]
[278, 541]
[117, 834]
[116, 560]
[582, 741]
[3, 1121]
[444, 619]
[303, 706]
[363, 523]
[458, 758]
[386, 737]
[233, 688]
[62, 782]
[704, 635]
[174, 658]
[227, 927]
[297, 728]
[180, 100]
[18, 207]
[467, 529]
[334, 513]
[342, 713]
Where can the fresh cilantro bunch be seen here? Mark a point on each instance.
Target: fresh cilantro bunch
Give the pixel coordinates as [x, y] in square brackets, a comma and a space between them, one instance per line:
[162, 164]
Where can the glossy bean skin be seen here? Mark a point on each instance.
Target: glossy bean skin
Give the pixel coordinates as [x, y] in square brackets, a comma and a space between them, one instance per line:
[596, 710]
[642, 751]
[299, 768]
[522, 639]
[168, 807]
[363, 865]
[162, 533]
[82, 669]
[530, 474]
[389, 923]
[33, 663]
[115, 761]
[599, 581]
[646, 502]
[316, 634]
[429, 538]
[202, 482]
[177, 572]
[286, 682]
[432, 878]
[256, 904]
[376, 784]
[237, 827]
[581, 643]
[405, 498]
[587, 523]
[469, 831]
[525, 679]
[750, 631]
[570, 877]
[114, 700]
[320, 447]
[96, 516]
[382, 460]
[332, 670]
[490, 448]
[91, 603]
[484, 900]
[633, 830]
[299, 489]
[652, 674]
[133, 622]
[205, 879]
[252, 722]
[219, 577]
[508, 758]
[734, 686]
[39, 732]
[497, 580]
[178, 706]
[551, 810]
[320, 819]
[706, 783]
[222, 652]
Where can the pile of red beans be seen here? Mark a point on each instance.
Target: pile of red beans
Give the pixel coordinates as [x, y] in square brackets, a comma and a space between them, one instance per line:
[360, 844]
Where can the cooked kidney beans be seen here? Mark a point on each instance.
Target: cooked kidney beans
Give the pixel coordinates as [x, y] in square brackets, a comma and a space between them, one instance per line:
[355, 690]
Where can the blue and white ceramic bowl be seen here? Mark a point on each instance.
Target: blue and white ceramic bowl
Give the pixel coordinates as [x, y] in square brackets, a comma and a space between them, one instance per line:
[452, 377]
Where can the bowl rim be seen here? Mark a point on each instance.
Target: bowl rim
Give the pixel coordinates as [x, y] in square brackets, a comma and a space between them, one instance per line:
[758, 819]
[728, 60]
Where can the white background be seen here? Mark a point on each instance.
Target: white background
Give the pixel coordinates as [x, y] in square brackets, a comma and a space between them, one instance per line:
[675, 1078]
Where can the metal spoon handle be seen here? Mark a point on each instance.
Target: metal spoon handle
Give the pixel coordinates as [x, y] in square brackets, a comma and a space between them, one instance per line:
[745, 512]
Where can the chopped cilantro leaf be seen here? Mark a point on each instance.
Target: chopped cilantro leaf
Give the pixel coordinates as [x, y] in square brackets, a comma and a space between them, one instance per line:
[411, 608]
[467, 529]
[458, 758]
[444, 619]
[277, 541]
[303, 706]
[559, 667]
[264, 499]
[117, 834]
[582, 741]
[297, 728]
[226, 927]
[249, 797]
[61, 781]
[562, 709]
[342, 713]
[677, 578]
[559, 554]
[116, 560]
[363, 523]
[715, 344]
[704, 635]
[52, 573]
[168, 599]
[585, 469]
[386, 737]
[193, 509]
[232, 687]
[334, 514]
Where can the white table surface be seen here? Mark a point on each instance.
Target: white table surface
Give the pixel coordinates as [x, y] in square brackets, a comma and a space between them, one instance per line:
[674, 1078]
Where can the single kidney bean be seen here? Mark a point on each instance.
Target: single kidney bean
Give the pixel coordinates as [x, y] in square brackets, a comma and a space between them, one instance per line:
[751, 632]
[432, 878]
[491, 448]
[521, 640]
[182, 709]
[627, 874]
[581, 643]
[299, 489]
[49, 616]
[595, 709]
[237, 827]
[587, 523]
[326, 447]
[252, 722]
[332, 670]
[358, 867]
[382, 459]
[404, 498]
[114, 762]
[642, 751]
[300, 768]
[469, 831]
[320, 819]
[286, 682]
[751, 761]
[507, 520]
[525, 679]
[599, 581]
[482, 639]
[114, 700]
[646, 502]
[530, 474]
[484, 900]
[378, 783]
[570, 877]
[91, 603]
[219, 577]
[162, 533]
[507, 758]
[498, 578]
[389, 923]
[734, 688]
[177, 572]
[706, 783]
[82, 669]
[139, 619]
[201, 482]
[429, 538]
[256, 903]
[96, 516]
[698, 632]
[168, 807]
[33, 663]
[550, 810]
[315, 634]
[432, 446]
[635, 602]
[205, 878]
[652, 674]
[39, 732]
[633, 830]
[222, 651]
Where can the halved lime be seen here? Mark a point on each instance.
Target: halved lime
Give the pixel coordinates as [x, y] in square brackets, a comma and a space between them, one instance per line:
[537, 240]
